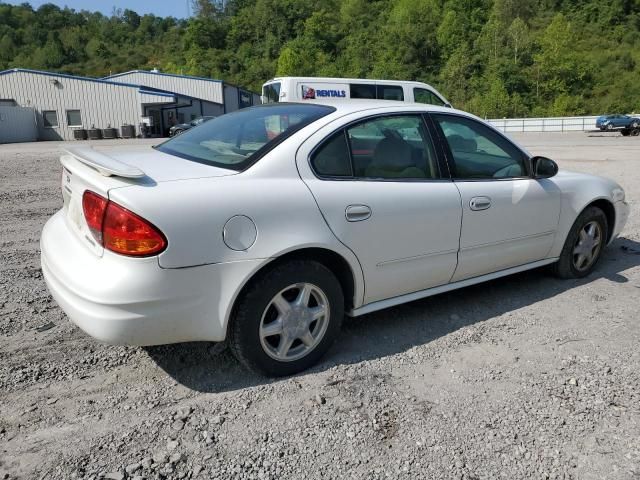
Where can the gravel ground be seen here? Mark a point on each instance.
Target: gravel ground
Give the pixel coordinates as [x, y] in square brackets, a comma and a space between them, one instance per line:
[523, 377]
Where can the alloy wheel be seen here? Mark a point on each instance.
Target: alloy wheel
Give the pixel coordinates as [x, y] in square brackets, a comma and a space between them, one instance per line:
[587, 246]
[294, 322]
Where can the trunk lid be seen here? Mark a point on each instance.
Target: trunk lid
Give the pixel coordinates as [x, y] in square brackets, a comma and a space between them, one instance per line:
[84, 168]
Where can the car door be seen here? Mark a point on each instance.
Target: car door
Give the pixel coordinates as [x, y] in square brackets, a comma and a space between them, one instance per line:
[509, 218]
[382, 191]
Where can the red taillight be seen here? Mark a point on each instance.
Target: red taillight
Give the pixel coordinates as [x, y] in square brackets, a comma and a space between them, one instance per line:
[94, 207]
[119, 230]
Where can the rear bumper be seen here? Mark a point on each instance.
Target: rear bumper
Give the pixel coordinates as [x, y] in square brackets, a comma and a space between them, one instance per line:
[132, 301]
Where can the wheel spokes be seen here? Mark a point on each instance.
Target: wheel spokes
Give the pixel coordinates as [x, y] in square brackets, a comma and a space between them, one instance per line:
[294, 322]
[304, 295]
[281, 304]
[284, 346]
[273, 328]
[318, 312]
[307, 338]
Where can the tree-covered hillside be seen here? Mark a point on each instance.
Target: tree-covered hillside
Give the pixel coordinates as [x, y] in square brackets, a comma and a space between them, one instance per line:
[493, 57]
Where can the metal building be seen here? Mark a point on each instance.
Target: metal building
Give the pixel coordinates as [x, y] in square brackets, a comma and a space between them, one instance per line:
[64, 103]
[209, 97]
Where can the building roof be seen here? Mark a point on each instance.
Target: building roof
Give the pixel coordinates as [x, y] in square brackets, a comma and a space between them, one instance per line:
[141, 88]
[151, 72]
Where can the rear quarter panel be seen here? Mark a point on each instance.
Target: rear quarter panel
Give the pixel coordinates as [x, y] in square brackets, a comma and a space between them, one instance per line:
[192, 214]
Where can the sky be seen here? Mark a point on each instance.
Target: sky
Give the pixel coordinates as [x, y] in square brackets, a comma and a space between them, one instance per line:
[162, 8]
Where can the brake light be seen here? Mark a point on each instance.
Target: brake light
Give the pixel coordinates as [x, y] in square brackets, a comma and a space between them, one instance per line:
[94, 206]
[120, 230]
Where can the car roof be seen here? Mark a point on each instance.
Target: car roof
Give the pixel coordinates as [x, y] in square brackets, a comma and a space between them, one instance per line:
[343, 107]
[346, 80]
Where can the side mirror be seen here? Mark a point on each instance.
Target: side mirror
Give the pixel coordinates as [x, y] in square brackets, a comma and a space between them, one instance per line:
[543, 167]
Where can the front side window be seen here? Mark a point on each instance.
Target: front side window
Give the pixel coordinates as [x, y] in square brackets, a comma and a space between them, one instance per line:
[422, 95]
[271, 93]
[50, 118]
[390, 92]
[478, 152]
[362, 91]
[237, 139]
[384, 148]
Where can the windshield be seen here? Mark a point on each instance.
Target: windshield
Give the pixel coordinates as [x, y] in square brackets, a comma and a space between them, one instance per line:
[271, 93]
[238, 139]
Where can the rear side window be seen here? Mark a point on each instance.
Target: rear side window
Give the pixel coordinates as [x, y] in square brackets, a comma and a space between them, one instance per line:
[362, 91]
[332, 159]
[390, 92]
[384, 148]
[422, 95]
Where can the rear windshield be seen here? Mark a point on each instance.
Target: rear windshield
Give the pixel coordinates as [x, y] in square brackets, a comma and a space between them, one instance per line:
[236, 140]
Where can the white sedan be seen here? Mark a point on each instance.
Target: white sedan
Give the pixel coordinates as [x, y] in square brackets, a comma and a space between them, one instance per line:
[265, 226]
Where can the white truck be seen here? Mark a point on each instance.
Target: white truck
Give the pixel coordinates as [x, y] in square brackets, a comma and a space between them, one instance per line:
[298, 89]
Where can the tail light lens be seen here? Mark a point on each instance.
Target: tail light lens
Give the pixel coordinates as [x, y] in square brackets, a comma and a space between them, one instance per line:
[120, 230]
[94, 207]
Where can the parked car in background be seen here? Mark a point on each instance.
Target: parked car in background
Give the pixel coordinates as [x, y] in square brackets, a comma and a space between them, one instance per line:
[296, 89]
[617, 121]
[182, 127]
[266, 225]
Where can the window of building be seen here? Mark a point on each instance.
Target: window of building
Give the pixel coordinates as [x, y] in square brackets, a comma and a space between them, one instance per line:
[422, 95]
[390, 92]
[50, 118]
[479, 152]
[74, 119]
[245, 99]
[362, 91]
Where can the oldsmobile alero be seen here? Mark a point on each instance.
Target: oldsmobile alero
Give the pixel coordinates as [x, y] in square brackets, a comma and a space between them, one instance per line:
[265, 226]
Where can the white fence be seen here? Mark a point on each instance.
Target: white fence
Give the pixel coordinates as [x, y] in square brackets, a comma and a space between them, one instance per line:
[550, 124]
[17, 124]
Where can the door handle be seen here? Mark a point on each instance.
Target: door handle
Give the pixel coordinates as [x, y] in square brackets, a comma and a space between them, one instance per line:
[479, 203]
[357, 213]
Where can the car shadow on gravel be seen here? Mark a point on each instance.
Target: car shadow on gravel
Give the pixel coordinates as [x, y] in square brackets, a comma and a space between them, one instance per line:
[207, 367]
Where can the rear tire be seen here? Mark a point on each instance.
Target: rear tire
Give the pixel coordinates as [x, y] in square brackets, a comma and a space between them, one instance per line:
[274, 330]
[582, 250]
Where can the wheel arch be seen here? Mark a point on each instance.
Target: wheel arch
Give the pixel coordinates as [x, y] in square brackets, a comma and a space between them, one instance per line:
[609, 211]
[334, 261]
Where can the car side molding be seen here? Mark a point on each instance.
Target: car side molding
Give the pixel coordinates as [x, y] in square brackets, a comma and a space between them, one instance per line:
[409, 297]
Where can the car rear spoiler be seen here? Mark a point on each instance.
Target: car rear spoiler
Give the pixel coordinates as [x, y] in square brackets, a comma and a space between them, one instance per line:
[104, 164]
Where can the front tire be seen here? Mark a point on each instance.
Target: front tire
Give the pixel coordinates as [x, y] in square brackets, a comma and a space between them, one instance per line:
[583, 246]
[287, 318]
